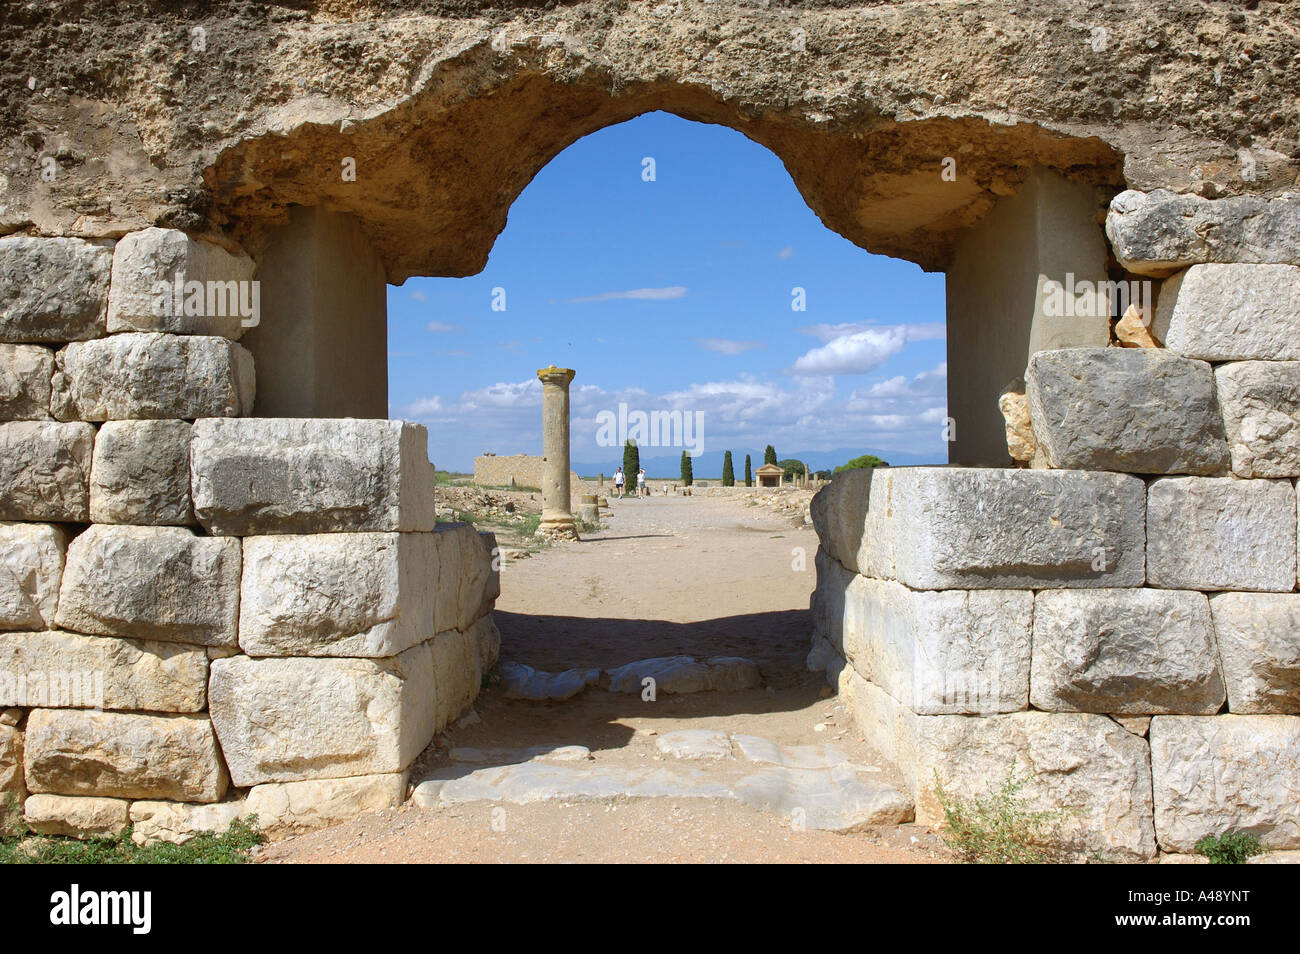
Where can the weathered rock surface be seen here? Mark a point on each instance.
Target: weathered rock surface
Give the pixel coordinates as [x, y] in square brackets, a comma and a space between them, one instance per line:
[953, 527]
[1128, 652]
[141, 473]
[11, 764]
[255, 476]
[947, 651]
[530, 81]
[1021, 444]
[1139, 411]
[524, 682]
[25, 374]
[52, 289]
[456, 675]
[121, 755]
[1232, 312]
[31, 567]
[298, 806]
[1214, 774]
[812, 786]
[1084, 764]
[45, 471]
[57, 669]
[1259, 643]
[78, 816]
[468, 575]
[483, 631]
[152, 376]
[1160, 232]
[1132, 330]
[682, 674]
[336, 594]
[178, 822]
[152, 583]
[1261, 413]
[288, 720]
[1211, 533]
[153, 257]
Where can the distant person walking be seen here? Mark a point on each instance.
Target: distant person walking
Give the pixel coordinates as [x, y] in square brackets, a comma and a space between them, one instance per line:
[641, 489]
[619, 480]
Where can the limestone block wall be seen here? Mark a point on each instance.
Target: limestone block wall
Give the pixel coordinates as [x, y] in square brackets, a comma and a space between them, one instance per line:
[202, 614]
[1122, 623]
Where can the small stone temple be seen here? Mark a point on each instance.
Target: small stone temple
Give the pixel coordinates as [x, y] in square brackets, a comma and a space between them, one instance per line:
[769, 475]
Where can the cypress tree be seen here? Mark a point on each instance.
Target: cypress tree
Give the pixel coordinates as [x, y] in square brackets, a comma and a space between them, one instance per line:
[728, 473]
[769, 455]
[749, 473]
[631, 463]
[688, 477]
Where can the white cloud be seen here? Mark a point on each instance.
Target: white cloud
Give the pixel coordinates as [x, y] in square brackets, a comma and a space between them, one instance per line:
[917, 331]
[440, 327]
[418, 295]
[855, 353]
[785, 252]
[639, 294]
[728, 346]
[425, 407]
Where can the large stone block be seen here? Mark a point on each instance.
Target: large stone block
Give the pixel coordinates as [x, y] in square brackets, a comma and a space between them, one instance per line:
[25, 375]
[1259, 643]
[287, 720]
[1218, 533]
[45, 471]
[935, 528]
[1086, 765]
[1231, 312]
[1215, 774]
[141, 473]
[468, 577]
[1136, 410]
[1128, 652]
[123, 755]
[487, 638]
[457, 675]
[76, 816]
[55, 669]
[1155, 233]
[152, 583]
[337, 594]
[283, 475]
[53, 289]
[1261, 413]
[152, 376]
[31, 567]
[948, 651]
[178, 822]
[11, 766]
[826, 605]
[300, 806]
[148, 266]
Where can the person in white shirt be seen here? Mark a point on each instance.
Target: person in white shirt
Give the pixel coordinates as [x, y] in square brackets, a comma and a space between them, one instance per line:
[619, 481]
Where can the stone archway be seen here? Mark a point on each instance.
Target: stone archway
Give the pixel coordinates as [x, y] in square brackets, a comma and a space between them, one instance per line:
[222, 130]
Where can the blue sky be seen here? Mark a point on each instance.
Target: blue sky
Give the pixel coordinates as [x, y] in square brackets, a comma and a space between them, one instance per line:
[672, 294]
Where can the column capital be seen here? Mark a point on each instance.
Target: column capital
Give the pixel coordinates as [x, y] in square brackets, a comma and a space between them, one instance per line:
[554, 375]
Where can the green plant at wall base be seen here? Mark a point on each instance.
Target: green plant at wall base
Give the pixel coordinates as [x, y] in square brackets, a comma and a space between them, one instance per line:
[1230, 848]
[998, 828]
[205, 848]
[728, 472]
[749, 473]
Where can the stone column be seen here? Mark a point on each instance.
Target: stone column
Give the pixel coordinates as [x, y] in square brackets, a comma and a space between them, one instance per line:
[557, 519]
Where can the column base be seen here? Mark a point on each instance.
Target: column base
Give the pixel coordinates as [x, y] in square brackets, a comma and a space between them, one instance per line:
[558, 526]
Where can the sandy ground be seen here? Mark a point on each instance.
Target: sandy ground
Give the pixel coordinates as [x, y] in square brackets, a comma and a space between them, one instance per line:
[700, 576]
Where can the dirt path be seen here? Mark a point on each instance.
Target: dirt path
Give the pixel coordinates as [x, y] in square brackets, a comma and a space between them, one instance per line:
[699, 576]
